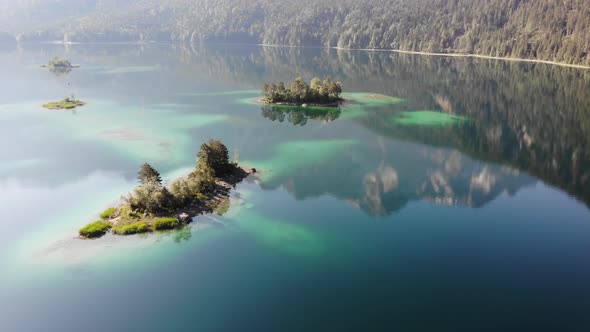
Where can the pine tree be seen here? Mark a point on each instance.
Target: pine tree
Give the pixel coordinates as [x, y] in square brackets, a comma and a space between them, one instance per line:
[214, 156]
[148, 174]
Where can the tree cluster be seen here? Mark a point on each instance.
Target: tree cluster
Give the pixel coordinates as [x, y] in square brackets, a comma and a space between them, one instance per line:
[299, 92]
[58, 62]
[152, 197]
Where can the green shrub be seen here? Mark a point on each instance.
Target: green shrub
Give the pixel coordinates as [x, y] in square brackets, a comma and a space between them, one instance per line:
[108, 213]
[151, 197]
[135, 228]
[95, 229]
[183, 191]
[126, 213]
[165, 223]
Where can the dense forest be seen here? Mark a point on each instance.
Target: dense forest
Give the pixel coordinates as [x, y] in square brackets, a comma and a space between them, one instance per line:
[541, 29]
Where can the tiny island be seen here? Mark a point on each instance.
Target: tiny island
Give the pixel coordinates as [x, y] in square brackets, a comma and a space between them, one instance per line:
[151, 206]
[67, 103]
[60, 65]
[298, 93]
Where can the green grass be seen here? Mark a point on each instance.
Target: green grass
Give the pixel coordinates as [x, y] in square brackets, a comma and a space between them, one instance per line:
[135, 228]
[165, 223]
[108, 213]
[95, 229]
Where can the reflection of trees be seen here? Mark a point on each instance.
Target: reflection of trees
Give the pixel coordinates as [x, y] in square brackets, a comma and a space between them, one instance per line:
[182, 234]
[530, 117]
[299, 115]
[60, 71]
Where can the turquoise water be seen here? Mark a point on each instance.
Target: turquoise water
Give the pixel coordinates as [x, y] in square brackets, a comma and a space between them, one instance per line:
[446, 194]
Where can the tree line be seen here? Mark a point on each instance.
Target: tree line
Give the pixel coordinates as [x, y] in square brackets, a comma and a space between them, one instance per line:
[299, 92]
[539, 29]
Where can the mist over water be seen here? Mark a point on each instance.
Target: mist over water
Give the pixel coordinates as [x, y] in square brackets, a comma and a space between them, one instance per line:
[443, 189]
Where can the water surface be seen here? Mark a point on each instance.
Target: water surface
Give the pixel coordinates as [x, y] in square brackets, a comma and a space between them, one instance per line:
[448, 194]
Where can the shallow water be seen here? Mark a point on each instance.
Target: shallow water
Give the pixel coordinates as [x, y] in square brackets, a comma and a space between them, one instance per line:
[446, 194]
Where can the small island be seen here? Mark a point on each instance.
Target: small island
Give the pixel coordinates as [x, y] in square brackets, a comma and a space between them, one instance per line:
[151, 206]
[59, 64]
[67, 103]
[299, 93]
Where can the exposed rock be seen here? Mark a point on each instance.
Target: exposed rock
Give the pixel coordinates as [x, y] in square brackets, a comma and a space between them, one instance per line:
[184, 218]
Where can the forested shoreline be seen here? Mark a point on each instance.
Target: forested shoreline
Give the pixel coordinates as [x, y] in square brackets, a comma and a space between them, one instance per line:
[556, 31]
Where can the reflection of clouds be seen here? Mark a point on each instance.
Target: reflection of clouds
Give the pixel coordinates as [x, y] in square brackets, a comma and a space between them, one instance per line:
[28, 204]
[8, 166]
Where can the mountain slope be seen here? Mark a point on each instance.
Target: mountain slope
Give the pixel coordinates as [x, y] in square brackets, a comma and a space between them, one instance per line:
[540, 29]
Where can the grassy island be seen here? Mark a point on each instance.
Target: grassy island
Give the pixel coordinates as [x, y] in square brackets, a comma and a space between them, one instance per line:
[67, 103]
[299, 93]
[151, 206]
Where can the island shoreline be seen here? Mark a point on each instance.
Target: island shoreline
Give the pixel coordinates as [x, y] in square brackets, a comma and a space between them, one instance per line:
[337, 104]
[154, 205]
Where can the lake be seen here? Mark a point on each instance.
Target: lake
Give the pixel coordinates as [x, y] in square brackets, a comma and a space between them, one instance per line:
[451, 194]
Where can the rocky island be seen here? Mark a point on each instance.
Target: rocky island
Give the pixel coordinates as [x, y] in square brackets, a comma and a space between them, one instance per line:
[151, 206]
[298, 93]
[67, 103]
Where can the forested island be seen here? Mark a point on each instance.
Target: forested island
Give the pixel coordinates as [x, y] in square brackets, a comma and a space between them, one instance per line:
[299, 93]
[59, 66]
[67, 103]
[544, 30]
[59, 63]
[151, 206]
